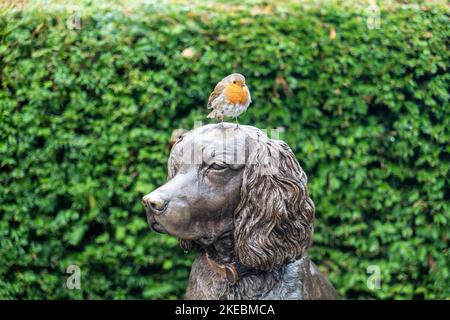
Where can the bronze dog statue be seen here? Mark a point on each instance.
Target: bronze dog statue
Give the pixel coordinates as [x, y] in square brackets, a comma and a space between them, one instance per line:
[241, 200]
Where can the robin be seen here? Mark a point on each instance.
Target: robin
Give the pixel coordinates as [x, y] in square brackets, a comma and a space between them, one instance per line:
[230, 98]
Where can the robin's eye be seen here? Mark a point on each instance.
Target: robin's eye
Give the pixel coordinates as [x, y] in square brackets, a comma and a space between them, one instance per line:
[234, 82]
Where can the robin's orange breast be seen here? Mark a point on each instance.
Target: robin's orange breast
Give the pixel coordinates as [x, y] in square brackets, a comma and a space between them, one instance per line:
[236, 94]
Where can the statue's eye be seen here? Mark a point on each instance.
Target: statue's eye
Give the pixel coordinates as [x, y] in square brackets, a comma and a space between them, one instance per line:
[217, 167]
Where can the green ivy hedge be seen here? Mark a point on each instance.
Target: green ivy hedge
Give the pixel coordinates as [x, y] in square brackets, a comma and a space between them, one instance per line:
[86, 115]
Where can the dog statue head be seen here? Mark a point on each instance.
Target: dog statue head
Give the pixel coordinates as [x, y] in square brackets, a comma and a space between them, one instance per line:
[233, 180]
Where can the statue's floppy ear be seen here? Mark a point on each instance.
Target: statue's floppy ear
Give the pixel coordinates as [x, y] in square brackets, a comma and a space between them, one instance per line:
[274, 219]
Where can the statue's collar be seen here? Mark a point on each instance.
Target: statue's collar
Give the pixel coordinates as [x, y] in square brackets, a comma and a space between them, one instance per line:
[232, 271]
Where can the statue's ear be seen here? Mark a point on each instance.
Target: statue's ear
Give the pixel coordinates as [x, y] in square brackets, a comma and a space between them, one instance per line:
[274, 219]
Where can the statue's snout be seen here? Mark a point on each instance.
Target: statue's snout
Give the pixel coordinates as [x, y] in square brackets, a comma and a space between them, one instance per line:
[154, 203]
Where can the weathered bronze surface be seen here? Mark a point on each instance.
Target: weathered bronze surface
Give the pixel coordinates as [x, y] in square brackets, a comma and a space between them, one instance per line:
[241, 200]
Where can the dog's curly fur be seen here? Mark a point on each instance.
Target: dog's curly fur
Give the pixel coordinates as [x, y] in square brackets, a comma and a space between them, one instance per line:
[282, 228]
[272, 226]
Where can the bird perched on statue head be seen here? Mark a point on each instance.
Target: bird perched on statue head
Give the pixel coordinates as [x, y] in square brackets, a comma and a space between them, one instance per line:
[230, 98]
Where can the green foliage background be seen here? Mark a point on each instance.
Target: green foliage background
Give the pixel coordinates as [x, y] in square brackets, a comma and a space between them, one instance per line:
[86, 117]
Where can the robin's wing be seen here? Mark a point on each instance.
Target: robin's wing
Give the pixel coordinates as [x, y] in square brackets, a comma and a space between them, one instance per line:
[217, 92]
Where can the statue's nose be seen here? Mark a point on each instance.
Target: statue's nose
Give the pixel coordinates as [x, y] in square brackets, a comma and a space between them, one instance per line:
[155, 203]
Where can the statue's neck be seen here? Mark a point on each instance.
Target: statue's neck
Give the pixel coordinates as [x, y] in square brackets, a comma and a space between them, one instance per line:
[222, 251]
